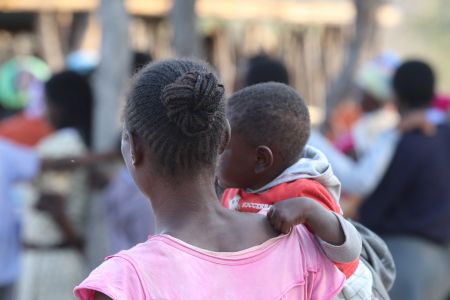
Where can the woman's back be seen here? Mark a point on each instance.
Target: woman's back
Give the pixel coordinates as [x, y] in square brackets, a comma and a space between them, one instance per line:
[286, 267]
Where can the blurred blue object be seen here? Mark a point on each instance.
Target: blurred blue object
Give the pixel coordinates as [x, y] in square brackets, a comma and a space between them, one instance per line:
[82, 62]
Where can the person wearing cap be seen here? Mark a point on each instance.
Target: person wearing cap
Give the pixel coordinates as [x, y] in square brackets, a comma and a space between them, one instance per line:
[373, 83]
[374, 136]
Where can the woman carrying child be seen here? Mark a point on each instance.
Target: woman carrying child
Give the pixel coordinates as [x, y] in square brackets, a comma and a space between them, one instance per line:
[175, 128]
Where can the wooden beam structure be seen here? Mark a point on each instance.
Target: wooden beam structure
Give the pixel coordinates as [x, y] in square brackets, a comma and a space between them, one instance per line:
[47, 5]
[340, 12]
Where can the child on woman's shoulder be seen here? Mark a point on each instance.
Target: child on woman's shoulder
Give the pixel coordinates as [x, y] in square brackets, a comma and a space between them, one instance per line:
[267, 161]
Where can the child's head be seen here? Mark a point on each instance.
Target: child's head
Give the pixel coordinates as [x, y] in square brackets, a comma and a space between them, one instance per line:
[414, 85]
[69, 102]
[175, 120]
[270, 126]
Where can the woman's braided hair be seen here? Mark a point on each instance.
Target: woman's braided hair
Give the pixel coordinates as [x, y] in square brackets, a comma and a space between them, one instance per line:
[177, 107]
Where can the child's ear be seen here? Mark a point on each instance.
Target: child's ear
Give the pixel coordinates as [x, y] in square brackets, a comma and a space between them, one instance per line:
[136, 149]
[264, 159]
[225, 138]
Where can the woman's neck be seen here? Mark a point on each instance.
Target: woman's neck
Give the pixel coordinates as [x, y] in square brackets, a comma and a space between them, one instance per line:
[185, 208]
[190, 211]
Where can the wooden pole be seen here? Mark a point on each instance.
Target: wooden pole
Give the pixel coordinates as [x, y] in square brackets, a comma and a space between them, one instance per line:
[185, 36]
[365, 23]
[113, 73]
[49, 40]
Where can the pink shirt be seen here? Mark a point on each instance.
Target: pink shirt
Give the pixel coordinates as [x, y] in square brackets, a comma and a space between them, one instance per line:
[286, 267]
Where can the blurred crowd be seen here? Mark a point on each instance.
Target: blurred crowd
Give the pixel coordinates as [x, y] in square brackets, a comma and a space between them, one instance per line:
[389, 146]
[50, 180]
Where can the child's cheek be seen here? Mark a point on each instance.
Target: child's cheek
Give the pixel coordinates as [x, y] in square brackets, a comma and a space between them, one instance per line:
[223, 171]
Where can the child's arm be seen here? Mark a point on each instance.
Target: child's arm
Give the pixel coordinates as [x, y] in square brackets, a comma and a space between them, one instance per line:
[288, 213]
[339, 238]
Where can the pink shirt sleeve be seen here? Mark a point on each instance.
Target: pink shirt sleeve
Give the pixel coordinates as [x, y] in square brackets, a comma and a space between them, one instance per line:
[116, 278]
[326, 280]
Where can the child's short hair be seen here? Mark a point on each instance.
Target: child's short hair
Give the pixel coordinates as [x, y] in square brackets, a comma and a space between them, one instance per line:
[414, 84]
[271, 114]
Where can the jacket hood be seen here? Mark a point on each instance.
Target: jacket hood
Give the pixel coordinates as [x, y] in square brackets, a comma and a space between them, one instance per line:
[312, 165]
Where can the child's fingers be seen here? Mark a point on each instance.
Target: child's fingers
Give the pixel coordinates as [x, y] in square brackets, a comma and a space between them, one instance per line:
[285, 227]
[277, 224]
[279, 220]
[275, 221]
[273, 214]
[270, 213]
[271, 217]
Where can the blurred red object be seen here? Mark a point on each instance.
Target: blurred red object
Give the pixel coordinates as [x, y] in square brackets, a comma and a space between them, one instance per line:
[345, 143]
[342, 119]
[24, 130]
[442, 103]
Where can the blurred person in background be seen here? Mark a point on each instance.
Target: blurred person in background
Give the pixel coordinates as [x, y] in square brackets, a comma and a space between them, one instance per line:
[376, 135]
[410, 207]
[17, 164]
[373, 82]
[21, 124]
[53, 224]
[264, 68]
[373, 138]
[21, 95]
[260, 68]
[20, 165]
[140, 59]
[128, 213]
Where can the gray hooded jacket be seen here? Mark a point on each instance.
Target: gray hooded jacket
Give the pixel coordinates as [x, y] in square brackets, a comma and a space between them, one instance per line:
[374, 253]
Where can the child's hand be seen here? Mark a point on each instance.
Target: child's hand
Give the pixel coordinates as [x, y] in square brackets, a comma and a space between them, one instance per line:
[321, 221]
[286, 214]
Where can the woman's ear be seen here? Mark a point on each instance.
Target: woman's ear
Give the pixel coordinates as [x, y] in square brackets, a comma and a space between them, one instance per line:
[225, 138]
[264, 159]
[136, 149]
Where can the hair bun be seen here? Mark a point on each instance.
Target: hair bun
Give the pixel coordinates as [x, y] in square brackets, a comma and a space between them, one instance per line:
[192, 101]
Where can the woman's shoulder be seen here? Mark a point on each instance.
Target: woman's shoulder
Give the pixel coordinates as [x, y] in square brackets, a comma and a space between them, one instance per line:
[258, 230]
[118, 277]
[249, 230]
[127, 274]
